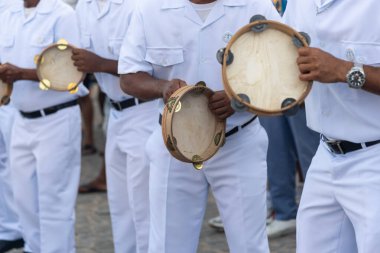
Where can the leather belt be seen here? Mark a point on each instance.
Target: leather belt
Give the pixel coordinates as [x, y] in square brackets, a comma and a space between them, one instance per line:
[119, 106]
[236, 129]
[343, 147]
[229, 133]
[49, 110]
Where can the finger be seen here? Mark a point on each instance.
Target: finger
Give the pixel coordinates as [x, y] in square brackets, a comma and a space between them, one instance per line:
[306, 68]
[76, 51]
[304, 59]
[220, 110]
[304, 51]
[182, 83]
[217, 96]
[308, 77]
[217, 104]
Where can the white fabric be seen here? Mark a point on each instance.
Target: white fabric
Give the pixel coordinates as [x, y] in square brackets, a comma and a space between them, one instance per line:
[237, 179]
[45, 159]
[103, 34]
[186, 50]
[29, 11]
[181, 46]
[336, 110]
[126, 162]
[339, 210]
[101, 4]
[23, 39]
[203, 9]
[9, 225]
[128, 176]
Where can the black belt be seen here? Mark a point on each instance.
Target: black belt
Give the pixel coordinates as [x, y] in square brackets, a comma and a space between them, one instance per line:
[119, 106]
[236, 129]
[229, 133]
[49, 110]
[344, 147]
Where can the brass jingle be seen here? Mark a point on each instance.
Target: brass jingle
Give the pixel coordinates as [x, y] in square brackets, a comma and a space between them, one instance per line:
[62, 44]
[178, 107]
[198, 166]
[45, 84]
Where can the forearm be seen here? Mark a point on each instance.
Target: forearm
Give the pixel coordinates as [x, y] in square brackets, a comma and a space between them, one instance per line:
[28, 74]
[108, 66]
[142, 85]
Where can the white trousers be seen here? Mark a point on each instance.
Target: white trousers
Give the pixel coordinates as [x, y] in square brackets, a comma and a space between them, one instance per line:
[237, 176]
[128, 175]
[340, 205]
[9, 225]
[45, 158]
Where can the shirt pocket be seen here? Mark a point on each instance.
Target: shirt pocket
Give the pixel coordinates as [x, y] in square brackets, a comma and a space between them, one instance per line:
[164, 61]
[7, 41]
[41, 40]
[114, 46]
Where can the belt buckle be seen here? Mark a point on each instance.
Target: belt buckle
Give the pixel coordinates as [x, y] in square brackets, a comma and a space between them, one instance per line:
[334, 146]
[118, 106]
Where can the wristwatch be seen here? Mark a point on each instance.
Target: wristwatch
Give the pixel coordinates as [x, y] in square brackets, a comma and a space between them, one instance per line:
[356, 76]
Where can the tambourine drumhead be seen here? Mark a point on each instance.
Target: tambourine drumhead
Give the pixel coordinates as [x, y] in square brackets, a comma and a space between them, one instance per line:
[264, 68]
[191, 131]
[56, 70]
[5, 93]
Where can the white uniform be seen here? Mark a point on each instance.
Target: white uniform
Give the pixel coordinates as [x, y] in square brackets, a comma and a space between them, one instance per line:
[103, 25]
[182, 46]
[339, 206]
[45, 151]
[9, 225]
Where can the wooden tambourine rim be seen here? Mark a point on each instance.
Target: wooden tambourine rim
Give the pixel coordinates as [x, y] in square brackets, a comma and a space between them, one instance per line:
[39, 62]
[6, 97]
[247, 28]
[167, 131]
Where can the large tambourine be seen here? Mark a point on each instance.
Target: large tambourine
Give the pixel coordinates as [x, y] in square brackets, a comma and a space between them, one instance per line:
[259, 68]
[5, 93]
[56, 70]
[191, 132]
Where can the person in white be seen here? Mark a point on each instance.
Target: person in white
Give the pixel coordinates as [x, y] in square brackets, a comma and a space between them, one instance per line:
[171, 43]
[103, 25]
[10, 231]
[46, 134]
[339, 210]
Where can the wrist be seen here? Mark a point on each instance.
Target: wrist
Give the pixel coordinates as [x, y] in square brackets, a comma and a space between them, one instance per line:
[344, 68]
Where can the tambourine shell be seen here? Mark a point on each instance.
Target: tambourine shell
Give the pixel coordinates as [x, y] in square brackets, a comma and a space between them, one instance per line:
[264, 68]
[56, 70]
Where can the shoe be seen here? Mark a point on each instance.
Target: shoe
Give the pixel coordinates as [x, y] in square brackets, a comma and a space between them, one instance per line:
[278, 228]
[8, 245]
[92, 187]
[216, 223]
[88, 149]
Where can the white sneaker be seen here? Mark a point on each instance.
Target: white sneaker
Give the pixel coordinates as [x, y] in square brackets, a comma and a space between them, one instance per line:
[216, 223]
[278, 228]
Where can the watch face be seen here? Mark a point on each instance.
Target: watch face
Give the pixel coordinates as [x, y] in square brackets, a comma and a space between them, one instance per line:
[356, 79]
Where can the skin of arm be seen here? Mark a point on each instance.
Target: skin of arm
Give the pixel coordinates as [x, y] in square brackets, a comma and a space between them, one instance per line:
[317, 65]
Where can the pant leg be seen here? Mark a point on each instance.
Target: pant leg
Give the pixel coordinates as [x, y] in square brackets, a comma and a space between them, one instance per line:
[238, 176]
[46, 160]
[322, 224]
[128, 176]
[357, 184]
[178, 199]
[24, 173]
[306, 140]
[9, 224]
[281, 161]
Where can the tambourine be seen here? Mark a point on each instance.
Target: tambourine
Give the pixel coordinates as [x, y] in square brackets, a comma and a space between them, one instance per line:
[5, 93]
[259, 68]
[56, 70]
[191, 132]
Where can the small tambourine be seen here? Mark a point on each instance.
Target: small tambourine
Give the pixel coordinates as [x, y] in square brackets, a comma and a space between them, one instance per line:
[5, 93]
[191, 132]
[259, 68]
[56, 70]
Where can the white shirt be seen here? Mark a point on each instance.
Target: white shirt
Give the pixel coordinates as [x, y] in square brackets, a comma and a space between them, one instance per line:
[181, 45]
[24, 38]
[102, 33]
[347, 29]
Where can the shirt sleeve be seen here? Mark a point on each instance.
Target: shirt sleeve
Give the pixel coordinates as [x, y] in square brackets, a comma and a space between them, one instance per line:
[133, 50]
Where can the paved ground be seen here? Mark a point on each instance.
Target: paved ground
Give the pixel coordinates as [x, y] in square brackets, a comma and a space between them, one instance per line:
[93, 229]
